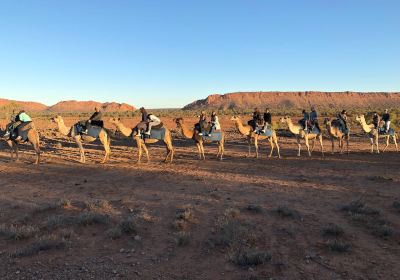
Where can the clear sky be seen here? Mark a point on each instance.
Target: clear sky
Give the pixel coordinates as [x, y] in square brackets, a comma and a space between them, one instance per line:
[167, 53]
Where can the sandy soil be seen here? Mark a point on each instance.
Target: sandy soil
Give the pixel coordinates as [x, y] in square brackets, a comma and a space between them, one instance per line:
[277, 206]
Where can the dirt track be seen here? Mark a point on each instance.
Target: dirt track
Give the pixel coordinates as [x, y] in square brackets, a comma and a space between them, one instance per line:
[313, 191]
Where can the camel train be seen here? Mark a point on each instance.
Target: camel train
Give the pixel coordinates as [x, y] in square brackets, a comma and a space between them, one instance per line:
[28, 134]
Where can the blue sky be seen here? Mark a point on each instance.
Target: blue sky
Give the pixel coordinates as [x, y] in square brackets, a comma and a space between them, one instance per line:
[169, 53]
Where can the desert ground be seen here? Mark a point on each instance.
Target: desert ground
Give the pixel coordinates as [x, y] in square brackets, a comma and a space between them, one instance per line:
[332, 217]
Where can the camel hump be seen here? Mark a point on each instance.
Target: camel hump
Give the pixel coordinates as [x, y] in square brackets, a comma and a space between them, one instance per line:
[23, 129]
[159, 126]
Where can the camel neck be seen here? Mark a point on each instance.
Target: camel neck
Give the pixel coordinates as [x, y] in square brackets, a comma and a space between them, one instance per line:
[62, 128]
[293, 128]
[365, 126]
[124, 130]
[242, 129]
[188, 133]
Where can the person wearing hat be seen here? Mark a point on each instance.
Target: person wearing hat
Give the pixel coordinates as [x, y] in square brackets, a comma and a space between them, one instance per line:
[386, 119]
[95, 119]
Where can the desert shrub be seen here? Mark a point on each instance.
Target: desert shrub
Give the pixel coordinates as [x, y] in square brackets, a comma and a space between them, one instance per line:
[254, 208]
[336, 245]
[285, 212]
[43, 244]
[114, 233]
[18, 232]
[89, 218]
[249, 257]
[128, 226]
[332, 230]
[396, 205]
[182, 238]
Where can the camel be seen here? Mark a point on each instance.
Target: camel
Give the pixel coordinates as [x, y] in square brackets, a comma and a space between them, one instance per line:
[70, 131]
[198, 139]
[141, 144]
[374, 135]
[335, 133]
[29, 131]
[299, 132]
[247, 131]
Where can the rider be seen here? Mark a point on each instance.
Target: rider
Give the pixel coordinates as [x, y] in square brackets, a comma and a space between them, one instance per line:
[314, 118]
[257, 119]
[305, 119]
[11, 130]
[342, 117]
[386, 119]
[214, 123]
[95, 119]
[202, 121]
[375, 120]
[152, 120]
[267, 120]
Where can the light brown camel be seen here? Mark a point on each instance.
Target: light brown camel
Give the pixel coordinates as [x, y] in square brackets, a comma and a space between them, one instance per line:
[128, 132]
[335, 132]
[69, 131]
[29, 131]
[374, 135]
[299, 132]
[247, 131]
[198, 139]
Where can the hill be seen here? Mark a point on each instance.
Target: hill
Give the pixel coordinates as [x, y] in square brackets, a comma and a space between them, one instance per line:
[246, 100]
[64, 106]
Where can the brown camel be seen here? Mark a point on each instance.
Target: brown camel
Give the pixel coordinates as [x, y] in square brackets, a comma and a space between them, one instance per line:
[250, 135]
[198, 139]
[335, 132]
[141, 144]
[374, 135]
[299, 132]
[29, 132]
[70, 131]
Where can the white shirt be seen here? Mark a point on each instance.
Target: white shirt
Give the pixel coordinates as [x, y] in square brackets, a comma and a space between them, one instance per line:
[216, 123]
[153, 118]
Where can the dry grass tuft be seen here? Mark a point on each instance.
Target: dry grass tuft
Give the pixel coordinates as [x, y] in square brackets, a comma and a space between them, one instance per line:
[285, 212]
[249, 257]
[128, 226]
[18, 232]
[182, 238]
[338, 246]
[254, 208]
[332, 230]
[114, 233]
[43, 244]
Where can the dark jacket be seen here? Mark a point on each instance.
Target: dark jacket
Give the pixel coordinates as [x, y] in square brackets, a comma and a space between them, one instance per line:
[96, 116]
[144, 116]
[386, 117]
[313, 116]
[268, 118]
[257, 119]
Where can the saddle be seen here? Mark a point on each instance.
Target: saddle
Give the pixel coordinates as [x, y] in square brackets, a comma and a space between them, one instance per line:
[91, 130]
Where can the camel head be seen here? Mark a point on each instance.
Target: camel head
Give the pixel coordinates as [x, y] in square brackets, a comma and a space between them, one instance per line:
[179, 122]
[360, 118]
[235, 118]
[285, 119]
[57, 119]
[115, 120]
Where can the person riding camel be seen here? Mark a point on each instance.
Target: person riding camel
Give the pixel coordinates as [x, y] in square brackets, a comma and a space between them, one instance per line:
[304, 121]
[386, 120]
[314, 118]
[95, 120]
[267, 120]
[152, 120]
[214, 123]
[256, 120]
[202, 122]
[12, 128]
[376, 120]
[342, 118]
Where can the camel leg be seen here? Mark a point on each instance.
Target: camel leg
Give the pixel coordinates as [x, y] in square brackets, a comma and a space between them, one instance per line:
[299, 146]
[387, 144]
[249, 143]
[202, 150]
[308, 146]
[372, 145]
[347, 143]
[146, 151]
[377, 144]
[170, 150]
[81, 150]
[33, 138]
[16, 151]
[313, 145]
[322, 144]
[333, 145]
[256, 146]
[222, 148]
[277, 146]
[395, 142]
[139, 147]
[199, 149]
[272, 146]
